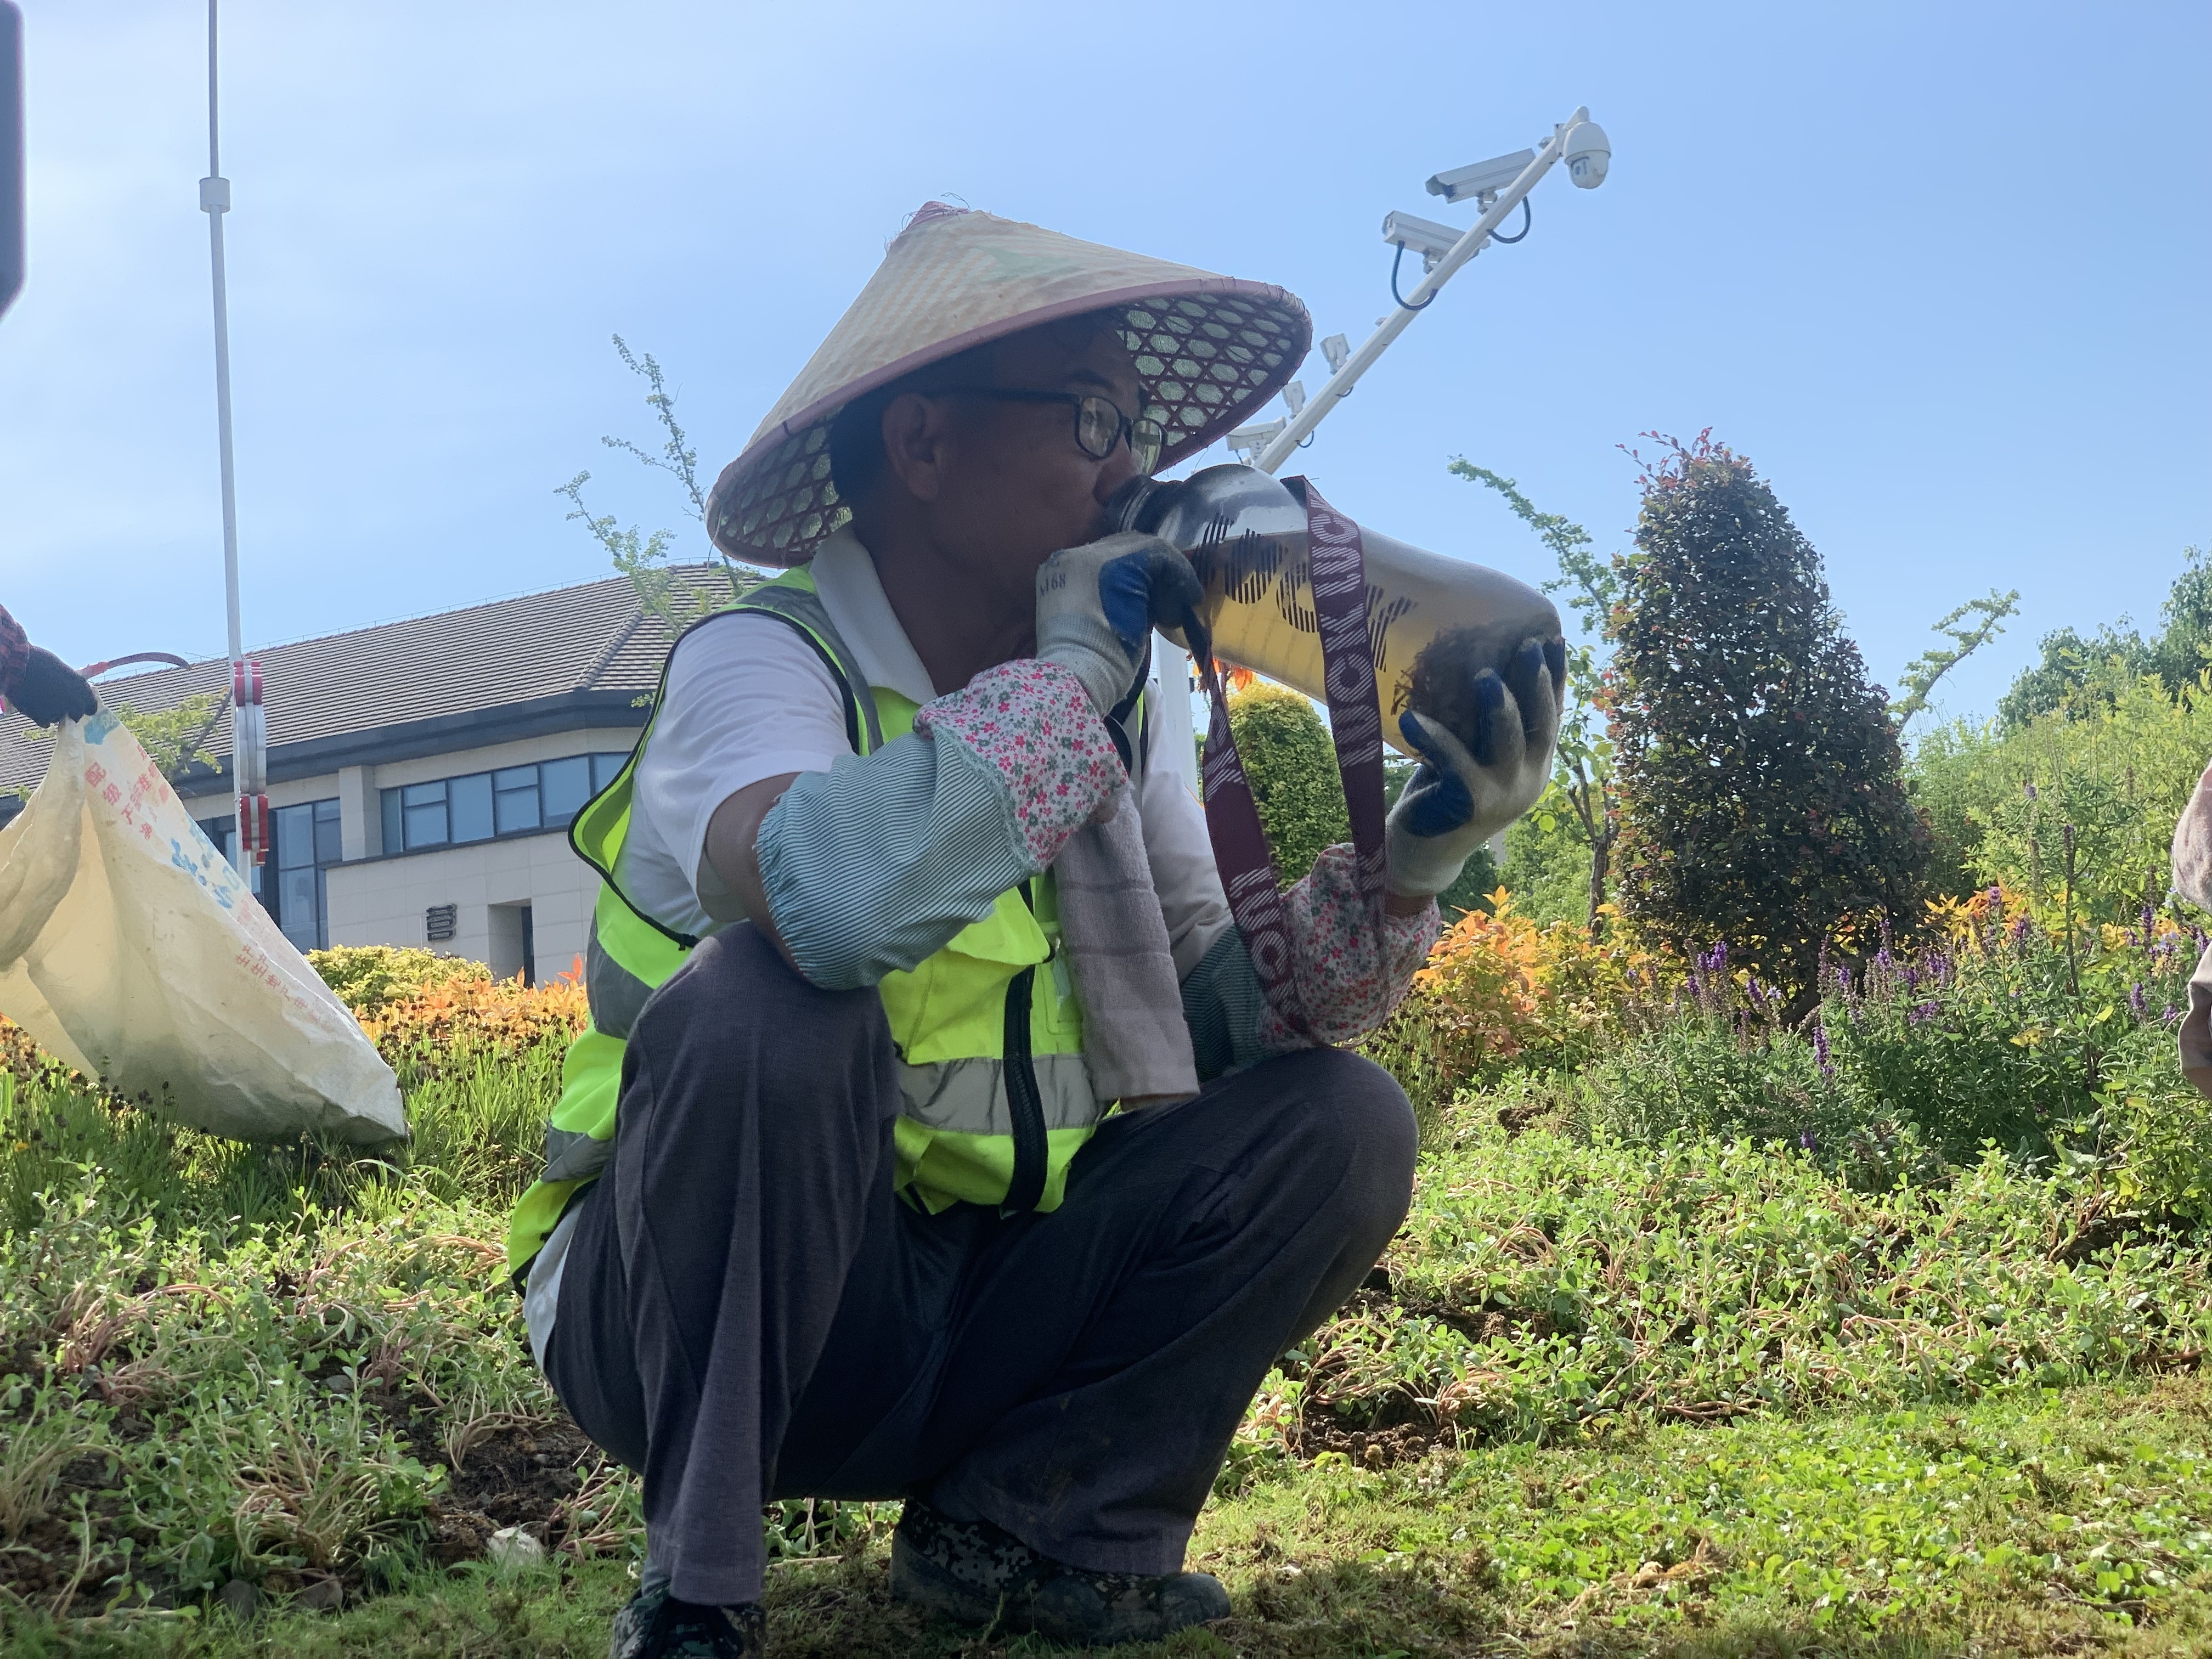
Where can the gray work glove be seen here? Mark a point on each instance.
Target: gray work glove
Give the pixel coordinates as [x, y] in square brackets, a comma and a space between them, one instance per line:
[1458, 798]
[1097, 605]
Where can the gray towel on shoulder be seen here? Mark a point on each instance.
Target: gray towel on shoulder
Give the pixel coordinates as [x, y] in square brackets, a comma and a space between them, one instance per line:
[1135, 1043]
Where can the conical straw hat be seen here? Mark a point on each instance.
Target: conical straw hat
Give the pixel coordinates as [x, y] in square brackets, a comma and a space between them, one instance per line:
[1208, 349]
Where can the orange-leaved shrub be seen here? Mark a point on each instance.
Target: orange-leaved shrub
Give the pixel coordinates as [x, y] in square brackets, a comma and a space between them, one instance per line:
[27, 1063]
[464, 1021]
[1501, 992]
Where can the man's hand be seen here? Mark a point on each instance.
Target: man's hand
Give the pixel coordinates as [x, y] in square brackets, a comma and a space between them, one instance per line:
[48, 690]
[1457, 799]
[1097, 606]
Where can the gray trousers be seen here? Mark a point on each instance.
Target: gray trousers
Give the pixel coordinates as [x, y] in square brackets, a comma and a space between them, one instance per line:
[749, 1310]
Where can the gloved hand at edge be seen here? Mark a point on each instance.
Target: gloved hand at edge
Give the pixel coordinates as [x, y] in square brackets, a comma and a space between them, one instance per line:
[38, 682]
[1456, 799]
[48, 690]
[1097, 605]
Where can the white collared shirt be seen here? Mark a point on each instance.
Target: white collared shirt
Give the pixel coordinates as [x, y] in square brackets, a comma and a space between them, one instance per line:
[748, 699]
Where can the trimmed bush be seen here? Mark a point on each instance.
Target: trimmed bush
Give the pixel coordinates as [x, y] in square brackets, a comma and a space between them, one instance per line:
[1761, 786]
[1290, 761]
[366, 977]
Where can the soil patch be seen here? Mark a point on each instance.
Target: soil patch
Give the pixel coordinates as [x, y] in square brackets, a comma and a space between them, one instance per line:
[64, 1558]
[520, 1475]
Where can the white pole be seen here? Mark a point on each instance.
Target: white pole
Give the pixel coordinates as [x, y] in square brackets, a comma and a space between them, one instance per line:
[1175, 744]
[214, 202]
[1341, 383]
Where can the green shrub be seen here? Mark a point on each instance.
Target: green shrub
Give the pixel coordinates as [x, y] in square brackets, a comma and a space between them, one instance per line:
[1761, 786]
[1291, 761]
[2118, 771]
[368, 977]
[1995, 1038]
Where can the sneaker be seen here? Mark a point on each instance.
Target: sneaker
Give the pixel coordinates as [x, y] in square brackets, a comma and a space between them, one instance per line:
[634, 1624]
[979, 1574]
[655, 1625]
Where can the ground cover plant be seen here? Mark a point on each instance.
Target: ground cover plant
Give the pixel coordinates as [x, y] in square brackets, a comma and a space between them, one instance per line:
[1689, 1392]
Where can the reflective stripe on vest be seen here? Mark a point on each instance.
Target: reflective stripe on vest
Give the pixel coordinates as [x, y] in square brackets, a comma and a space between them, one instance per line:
[971, 1124]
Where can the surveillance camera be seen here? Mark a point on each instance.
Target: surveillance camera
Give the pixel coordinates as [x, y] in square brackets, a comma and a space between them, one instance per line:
[1251, 439]
[1589, 153]
[1483, 178]
[1423, 236]
[1337, 350]
[1294, 396]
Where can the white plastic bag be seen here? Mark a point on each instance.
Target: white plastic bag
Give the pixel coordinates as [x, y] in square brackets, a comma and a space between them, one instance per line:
[130, 949]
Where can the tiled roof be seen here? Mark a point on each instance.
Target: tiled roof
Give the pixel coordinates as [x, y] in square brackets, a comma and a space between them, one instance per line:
[445, 680]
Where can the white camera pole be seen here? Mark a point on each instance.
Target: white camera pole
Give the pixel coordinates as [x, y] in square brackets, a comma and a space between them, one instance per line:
[1339, 385]
[248, 747]
[1176, 725]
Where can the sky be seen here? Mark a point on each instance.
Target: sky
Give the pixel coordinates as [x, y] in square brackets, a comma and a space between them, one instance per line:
[1938, 269]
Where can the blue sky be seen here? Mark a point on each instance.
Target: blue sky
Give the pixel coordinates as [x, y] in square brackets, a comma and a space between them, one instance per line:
[1940, 270]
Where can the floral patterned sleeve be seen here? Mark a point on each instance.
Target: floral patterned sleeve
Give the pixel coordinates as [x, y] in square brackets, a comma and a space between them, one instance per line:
[873, 865]
[1349, 986]
[15, 649]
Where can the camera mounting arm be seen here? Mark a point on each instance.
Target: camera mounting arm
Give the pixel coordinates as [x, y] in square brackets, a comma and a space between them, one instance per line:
[1587, 151]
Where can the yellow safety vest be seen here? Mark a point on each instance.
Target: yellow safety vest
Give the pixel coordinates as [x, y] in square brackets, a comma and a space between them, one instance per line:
[995, 1099]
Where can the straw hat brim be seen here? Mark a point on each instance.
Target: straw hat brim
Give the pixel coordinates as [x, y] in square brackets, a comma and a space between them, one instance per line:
[1208, 351]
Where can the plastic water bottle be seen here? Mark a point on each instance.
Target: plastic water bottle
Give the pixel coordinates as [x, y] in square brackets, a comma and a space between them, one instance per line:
[1245, 532]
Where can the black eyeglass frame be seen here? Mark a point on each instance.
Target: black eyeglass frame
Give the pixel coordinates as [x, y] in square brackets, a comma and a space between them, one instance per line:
[1124, 431]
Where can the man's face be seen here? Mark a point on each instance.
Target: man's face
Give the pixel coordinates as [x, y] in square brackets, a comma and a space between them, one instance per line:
[1018, 487]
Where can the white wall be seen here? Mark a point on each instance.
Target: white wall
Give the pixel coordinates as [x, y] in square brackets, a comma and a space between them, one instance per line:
[377, 900]
[384, 901]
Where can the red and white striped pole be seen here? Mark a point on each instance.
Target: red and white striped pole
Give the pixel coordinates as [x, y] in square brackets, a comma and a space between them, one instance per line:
[249, 752]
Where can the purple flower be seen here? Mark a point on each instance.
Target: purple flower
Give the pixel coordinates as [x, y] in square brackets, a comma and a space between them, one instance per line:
[2028, 788]
[2022, 927]
[2137, 1002]
[1921, 1012]
[1805, 1139]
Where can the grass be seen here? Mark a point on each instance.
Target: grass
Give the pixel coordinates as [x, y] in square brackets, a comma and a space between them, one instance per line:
[1698, 1398]
[2055, 1523]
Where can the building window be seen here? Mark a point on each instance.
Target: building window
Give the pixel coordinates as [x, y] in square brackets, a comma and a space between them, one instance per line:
[515, 800]
[304, 843]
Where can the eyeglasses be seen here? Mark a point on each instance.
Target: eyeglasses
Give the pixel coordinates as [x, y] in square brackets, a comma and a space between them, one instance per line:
[1099, 425]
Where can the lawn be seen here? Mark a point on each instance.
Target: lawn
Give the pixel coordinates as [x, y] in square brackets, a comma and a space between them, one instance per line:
[1700, 1397]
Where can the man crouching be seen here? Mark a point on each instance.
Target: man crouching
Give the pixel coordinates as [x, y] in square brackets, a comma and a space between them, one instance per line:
[944, 1171]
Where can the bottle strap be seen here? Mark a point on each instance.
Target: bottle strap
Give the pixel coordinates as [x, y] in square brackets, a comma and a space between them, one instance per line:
[1338, 562]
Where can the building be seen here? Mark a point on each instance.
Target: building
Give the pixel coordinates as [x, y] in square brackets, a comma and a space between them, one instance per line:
[422, 774]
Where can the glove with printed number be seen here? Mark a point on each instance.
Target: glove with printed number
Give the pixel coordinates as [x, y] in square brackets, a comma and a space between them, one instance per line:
[1097, 605]
[1463, 794]
[47, 690]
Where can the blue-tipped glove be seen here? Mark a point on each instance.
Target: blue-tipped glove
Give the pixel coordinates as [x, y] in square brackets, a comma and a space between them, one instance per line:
[1460, 796]
[1097, 605]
